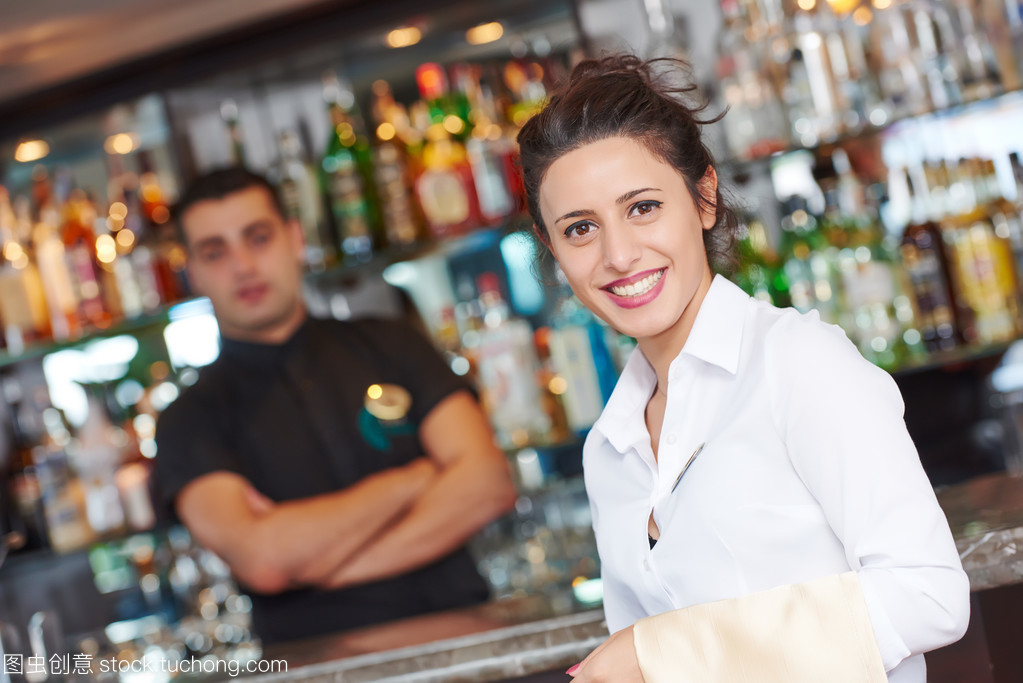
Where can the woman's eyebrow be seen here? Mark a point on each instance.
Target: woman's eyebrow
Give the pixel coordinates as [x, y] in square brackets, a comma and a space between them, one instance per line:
[632, 193]
[575, 214]
[621, 200]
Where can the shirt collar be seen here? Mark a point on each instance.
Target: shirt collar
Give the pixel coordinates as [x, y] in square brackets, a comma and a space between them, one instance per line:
[716, 338]
[253, 352]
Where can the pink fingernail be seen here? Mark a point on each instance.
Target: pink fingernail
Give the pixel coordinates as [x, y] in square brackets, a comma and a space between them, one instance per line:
[571, 672]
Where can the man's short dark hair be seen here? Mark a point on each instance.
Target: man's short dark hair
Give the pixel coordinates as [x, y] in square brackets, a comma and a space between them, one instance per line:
[218, 184]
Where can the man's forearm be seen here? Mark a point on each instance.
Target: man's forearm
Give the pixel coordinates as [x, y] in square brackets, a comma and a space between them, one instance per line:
[461, 501]
[306, 541]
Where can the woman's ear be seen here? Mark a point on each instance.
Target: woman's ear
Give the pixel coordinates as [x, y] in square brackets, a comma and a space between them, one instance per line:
[708, 189]
[542, 236]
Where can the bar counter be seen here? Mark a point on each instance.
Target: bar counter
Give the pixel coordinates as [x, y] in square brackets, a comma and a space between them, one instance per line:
[986, 518]
[515, 638]
[491, 642]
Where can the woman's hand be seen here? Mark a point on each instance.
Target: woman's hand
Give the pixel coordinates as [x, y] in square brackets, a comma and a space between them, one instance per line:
[613, 662]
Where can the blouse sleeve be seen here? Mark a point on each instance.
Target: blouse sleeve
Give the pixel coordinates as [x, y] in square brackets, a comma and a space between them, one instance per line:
[827, 631]
[842, 421]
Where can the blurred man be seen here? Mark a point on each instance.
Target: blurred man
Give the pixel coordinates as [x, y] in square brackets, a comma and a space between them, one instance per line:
[338, 467]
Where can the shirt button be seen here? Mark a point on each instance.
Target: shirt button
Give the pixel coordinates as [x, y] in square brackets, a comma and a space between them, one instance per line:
[671, 438]
[646, 564]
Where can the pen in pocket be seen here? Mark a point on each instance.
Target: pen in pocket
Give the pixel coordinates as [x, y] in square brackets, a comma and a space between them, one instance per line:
[686, 466]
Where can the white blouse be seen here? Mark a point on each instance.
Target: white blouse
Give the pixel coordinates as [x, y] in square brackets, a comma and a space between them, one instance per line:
[806, 470]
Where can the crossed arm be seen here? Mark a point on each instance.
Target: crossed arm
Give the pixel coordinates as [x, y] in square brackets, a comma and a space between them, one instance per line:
[387, 524]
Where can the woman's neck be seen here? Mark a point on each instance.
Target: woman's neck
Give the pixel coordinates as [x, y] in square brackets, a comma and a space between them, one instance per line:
[660, 350]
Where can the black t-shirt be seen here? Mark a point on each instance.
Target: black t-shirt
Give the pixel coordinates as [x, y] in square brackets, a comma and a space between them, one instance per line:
[290, 419]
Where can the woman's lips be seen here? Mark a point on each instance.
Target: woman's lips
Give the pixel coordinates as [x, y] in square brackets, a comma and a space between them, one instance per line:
[641, 299]
[633, 279]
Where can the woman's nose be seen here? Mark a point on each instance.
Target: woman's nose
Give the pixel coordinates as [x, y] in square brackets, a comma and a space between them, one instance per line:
[620, 247]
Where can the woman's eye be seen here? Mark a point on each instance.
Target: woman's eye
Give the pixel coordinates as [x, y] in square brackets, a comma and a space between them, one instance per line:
[644, 207]
[580, 229]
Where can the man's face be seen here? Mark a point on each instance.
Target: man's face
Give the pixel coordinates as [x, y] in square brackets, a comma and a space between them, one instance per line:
[247, 259]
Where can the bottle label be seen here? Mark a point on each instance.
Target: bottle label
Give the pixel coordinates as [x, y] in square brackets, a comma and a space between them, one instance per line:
[572, 357]
[443, 197]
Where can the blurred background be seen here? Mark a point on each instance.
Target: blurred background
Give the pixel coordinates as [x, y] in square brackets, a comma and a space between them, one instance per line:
[872, 147]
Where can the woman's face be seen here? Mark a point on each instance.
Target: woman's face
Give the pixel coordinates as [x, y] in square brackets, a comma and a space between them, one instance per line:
[628, 236]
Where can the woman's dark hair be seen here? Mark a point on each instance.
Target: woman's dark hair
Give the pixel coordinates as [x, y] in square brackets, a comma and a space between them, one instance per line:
[624, 96]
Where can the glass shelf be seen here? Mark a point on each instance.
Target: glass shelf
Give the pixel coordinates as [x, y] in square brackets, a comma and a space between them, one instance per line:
[131, 326]
[959, 356]
[439, 246]
[468, 241]
[740, 165]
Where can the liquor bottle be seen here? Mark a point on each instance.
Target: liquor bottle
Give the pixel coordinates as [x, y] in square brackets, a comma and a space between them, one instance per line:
[148, 216]
[923, 257]
[346, 172]
[391, 169]
[487, 148]
[168, 259]
[301, 199]
[806, 262]
[982, 268]
[444, 187]
[760, 274]
[22, 301]
[823, 92]
[552, 389]
[933, 60]
[877, 312]
[96, 458]
[63, 499]
[663, 37]
[898, 73]
[508, 369]
[229, 115]
[755, 125]
[951, 52]
[80, 248]
[151, 190]
[980, 75]
[13, 534]
[56, 277]
[1017, 176]
[134, 268]
[579, 355]
[857, 79]
[1005, 216]
[107, 259]
[451, 345]
[27, 517]
[468, 320]
[798, 98]
[1004, 23]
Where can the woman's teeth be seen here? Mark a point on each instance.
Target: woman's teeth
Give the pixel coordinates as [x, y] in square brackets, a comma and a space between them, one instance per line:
[639, 288]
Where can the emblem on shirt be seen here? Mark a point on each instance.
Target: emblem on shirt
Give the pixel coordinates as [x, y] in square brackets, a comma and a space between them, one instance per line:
[384, 408]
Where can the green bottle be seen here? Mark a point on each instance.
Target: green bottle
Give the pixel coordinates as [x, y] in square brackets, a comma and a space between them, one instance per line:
[347, 176]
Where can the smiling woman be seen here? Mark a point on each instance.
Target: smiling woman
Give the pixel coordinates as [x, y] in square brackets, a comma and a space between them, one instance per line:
[779, 550]
[635, 254]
